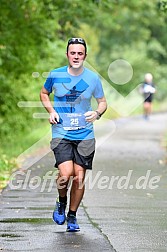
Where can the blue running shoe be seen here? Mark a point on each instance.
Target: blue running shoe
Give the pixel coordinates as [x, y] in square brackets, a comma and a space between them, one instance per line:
[59, 213]
[72, 225]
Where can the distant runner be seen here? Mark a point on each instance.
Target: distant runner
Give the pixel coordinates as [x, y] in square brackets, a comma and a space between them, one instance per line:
[148, 89]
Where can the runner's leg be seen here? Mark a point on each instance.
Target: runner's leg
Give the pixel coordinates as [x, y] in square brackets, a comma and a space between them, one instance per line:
[77, 188]
[66, 170]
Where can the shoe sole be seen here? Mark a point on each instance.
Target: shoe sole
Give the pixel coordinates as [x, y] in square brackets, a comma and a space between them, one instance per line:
[72, 230]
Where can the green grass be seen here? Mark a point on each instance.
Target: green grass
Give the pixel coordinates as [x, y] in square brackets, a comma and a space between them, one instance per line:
[17, 145]
[7, 165]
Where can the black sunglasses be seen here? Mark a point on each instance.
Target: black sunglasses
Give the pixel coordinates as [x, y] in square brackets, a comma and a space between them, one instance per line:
[77, 40]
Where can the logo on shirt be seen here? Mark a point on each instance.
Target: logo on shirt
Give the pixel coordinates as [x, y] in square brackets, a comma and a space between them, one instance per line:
[73, 96]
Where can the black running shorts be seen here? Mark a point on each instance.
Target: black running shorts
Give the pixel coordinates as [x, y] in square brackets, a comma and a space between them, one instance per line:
[148, 98]
[80, 152]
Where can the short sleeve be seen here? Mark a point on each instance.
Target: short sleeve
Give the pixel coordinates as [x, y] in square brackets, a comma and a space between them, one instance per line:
[49, 83]
[98, 91]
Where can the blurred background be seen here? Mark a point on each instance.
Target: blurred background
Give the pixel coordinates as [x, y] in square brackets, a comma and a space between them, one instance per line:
[33, 38]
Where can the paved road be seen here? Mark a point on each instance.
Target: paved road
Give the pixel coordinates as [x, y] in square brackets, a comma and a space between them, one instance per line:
[124, 207]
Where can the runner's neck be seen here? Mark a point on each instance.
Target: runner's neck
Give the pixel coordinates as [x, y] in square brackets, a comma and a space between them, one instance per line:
[75, 71]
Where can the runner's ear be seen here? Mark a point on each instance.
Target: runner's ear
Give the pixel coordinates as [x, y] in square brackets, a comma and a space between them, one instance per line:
[85, 56]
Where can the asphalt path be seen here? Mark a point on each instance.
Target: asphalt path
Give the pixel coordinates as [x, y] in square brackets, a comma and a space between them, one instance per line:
[125, 203]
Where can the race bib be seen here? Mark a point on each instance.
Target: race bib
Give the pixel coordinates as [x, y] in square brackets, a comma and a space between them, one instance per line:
[73, 121]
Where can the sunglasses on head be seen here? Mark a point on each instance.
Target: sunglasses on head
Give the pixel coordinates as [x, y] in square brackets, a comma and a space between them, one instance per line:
[76, 40]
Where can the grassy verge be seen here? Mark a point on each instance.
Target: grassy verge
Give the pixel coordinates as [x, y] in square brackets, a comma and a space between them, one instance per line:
[7, 166]
[164, 145]
[18, 144]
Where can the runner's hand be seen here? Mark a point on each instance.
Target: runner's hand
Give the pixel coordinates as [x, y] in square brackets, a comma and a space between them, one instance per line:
[90, 116]
[53, 118]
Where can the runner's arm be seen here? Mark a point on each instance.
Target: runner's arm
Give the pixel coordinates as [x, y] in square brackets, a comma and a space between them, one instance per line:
[44, 96]
[102, 105]
[91, 116]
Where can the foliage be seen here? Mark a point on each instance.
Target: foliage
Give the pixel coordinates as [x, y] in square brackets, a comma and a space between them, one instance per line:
[134, 31]
[163, 5]
[6, 165]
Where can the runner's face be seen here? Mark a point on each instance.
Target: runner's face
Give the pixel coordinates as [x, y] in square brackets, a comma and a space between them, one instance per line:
[76, 55]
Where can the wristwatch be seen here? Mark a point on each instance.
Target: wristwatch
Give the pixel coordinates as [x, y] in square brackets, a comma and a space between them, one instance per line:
[98, 115]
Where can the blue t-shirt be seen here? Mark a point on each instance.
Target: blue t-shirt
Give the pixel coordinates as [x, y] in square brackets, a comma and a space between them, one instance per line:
[72, 98]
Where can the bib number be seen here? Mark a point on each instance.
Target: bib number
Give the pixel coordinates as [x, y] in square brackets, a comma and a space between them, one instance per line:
[73, 121]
